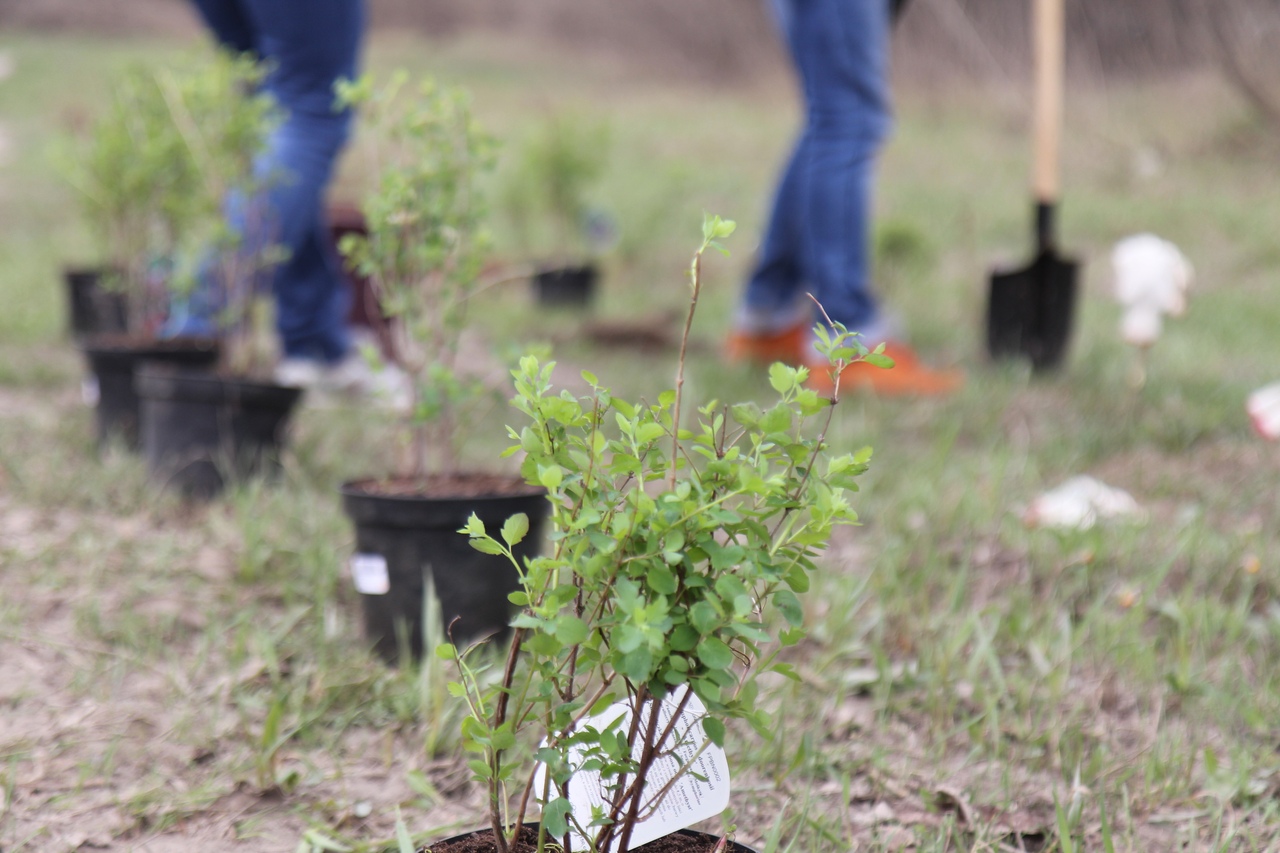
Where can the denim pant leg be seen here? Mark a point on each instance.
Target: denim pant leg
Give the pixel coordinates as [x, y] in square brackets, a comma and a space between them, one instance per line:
[309, 44]
[310, 293]
[818, 235]
[230, 24]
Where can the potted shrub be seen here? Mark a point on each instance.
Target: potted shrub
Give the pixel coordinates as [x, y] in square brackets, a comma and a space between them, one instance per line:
[679, 547]
[136, 182]
[546, 201]
[201, 427]
[423, 249]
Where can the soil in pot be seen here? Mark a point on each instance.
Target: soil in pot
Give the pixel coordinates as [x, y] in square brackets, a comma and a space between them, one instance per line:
[113, 362]
[92, 309]
[681, 841]
[407, 533]
[200, 429]
[569, 287]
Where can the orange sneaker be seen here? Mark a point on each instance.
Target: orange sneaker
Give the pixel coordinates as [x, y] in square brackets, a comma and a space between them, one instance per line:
[790, 346]
[909, 377]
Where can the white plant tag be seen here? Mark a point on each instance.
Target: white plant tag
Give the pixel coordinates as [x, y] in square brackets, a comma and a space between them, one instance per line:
[369, 571]
[701, 792]
[89, 392]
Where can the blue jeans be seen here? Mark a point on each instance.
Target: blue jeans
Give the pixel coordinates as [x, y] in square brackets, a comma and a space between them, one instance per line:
[818, 235]
[308, 45]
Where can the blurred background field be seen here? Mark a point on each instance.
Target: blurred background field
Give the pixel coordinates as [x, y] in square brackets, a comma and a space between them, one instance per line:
[178, 678]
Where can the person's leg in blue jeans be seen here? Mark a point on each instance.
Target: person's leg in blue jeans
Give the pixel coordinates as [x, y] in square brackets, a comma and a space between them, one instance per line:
[308, 46]
[817, 236]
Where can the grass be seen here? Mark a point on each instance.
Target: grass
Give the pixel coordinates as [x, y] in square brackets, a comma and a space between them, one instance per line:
[970, 684]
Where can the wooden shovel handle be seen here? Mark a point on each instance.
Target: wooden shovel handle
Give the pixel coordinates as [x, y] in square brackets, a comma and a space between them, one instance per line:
[1047, 26]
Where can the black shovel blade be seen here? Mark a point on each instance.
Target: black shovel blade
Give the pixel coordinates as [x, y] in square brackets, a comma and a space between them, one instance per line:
[1030, 310]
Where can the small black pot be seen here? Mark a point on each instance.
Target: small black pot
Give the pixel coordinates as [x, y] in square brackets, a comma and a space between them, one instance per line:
[113, 363]
[199, 430]
[570, 287]
[93, 310]
[532, 828]
[401, 540]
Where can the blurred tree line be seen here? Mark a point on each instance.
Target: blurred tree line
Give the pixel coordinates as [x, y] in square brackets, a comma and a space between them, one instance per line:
[938, 40]
[971, 41]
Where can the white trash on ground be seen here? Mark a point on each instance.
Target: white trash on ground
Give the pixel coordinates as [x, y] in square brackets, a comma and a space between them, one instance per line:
[1264, 410]
[1080, 503]
[1151, 278]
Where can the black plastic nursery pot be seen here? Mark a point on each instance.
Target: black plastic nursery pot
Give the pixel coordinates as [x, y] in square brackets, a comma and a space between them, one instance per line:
[114, 360]
[680, 841]
[566, 286]
[200, 430]
[91, 308]
[405, 537]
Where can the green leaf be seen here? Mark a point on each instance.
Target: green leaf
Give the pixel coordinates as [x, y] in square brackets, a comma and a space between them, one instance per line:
[684, 638]
[628, 638]
[714, 730]
[403, 841]
[662, 579]
[782, 377]
[475, 527]
[603, 703]
[714, 654]
[789, 606]
[777, 419]
[571, 630]
[515, 528]
[746, 414]
[486, 546]
[787, 671]
[555, 817]
[877, 359]
[550, 476]
[649, 432]
[503, 737]
[791, 636]
[704, 617]
[637, 665]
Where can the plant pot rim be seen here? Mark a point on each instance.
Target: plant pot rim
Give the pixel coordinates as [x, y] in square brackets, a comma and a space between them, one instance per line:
[88, 268]
[580, 267]
[139, 346]
[358, 489]
[178, 382]
[731, 847]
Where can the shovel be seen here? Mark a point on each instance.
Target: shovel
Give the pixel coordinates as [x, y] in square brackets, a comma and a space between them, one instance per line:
[1029, 310]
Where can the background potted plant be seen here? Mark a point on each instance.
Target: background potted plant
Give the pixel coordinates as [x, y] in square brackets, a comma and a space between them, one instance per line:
[546, 200]
[678, 551]
[201, 427]
[137, 184]
[425, 243]
[122, 172]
